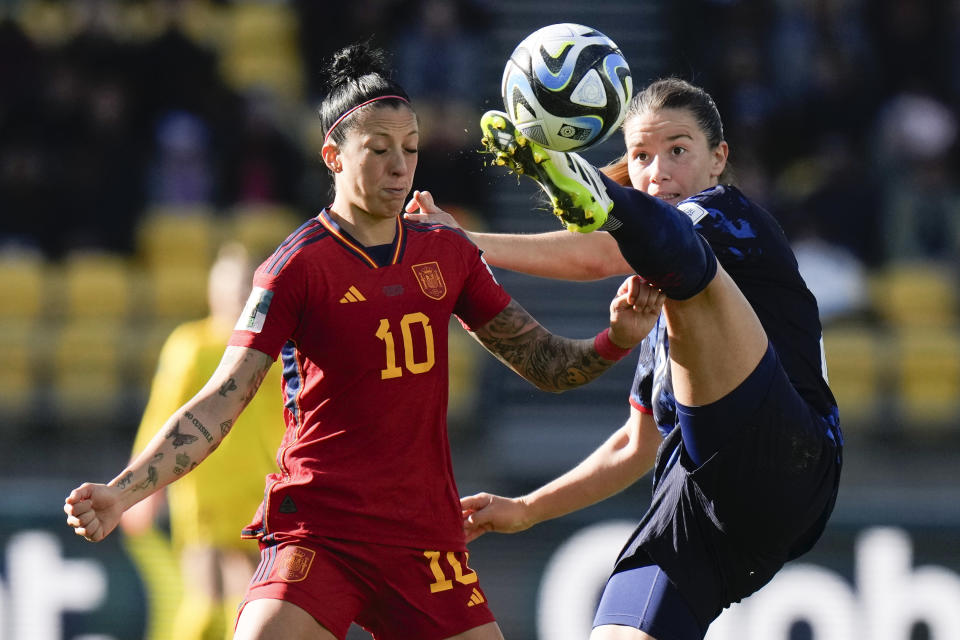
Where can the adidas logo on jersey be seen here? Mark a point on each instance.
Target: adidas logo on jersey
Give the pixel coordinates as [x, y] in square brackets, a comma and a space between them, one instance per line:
[352, 295]
[288, 505]
[476, 598]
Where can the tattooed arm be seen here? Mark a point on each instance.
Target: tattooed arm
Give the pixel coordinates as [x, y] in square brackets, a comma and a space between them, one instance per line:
[554, 363]
[191, 434]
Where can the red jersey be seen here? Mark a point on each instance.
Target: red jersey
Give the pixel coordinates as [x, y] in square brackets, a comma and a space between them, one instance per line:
[362, 335]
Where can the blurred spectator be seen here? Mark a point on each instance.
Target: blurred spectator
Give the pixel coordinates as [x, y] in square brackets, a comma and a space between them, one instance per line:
[839, 84]
[437, 49]
[834, 275]
[839, 204]
[174, 72]
[917, 137]
[750, 100]
[108, 171]
[176, 76]
[263, 164]
[210, 506]
[807, 35]
[181, 171]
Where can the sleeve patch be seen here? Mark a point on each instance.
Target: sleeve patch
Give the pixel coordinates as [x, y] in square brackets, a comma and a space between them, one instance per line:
[254, 313]
[695, 212]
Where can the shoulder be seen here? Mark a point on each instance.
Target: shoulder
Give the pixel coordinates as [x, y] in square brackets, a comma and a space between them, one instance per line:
[721, 196]
[431, 232]
[435, 230]
[293, 248]
[725, 204]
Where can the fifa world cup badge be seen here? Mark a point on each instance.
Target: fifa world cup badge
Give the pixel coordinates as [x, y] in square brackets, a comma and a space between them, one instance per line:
[430, 280]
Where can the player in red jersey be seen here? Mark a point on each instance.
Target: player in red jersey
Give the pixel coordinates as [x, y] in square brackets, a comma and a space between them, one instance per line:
[363, 521]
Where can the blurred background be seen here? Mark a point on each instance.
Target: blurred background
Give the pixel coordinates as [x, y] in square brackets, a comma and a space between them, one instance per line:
[137, 136]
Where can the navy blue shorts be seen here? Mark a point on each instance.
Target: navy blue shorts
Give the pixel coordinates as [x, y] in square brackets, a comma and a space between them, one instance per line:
[645, 599]
[761, 496]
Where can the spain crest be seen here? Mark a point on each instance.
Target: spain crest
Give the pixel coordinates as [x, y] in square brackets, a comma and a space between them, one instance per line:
[430, 279]
[294, 562]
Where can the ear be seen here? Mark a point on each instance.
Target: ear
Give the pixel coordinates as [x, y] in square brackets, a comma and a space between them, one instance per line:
[331, 157]
[720, 154]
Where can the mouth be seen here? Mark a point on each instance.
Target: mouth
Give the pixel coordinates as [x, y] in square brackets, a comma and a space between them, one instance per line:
[671, 198]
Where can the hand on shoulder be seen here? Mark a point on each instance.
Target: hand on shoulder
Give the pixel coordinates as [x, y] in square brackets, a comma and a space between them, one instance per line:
[422, 208]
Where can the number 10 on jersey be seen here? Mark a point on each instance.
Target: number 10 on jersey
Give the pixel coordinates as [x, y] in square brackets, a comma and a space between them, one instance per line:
[411, 324]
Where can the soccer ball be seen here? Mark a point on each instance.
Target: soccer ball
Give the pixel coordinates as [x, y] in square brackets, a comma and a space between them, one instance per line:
[566, 87]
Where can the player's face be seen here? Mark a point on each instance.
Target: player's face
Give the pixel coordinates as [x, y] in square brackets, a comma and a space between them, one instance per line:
[378, 159]
[668, 155]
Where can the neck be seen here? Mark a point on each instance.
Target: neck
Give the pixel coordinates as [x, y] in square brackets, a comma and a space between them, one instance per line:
[369, 230]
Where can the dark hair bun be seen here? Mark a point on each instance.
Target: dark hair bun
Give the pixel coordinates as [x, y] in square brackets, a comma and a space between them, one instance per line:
[354, 62]
[355, 75]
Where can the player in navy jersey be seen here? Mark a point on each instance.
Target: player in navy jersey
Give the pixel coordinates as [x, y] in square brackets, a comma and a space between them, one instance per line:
[362, 522]
[730, 406]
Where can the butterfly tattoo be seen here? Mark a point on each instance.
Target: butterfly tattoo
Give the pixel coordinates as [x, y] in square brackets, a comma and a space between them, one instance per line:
[180, 439]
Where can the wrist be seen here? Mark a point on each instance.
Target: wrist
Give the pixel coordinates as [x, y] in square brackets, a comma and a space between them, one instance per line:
[607, 349]
[529, 508]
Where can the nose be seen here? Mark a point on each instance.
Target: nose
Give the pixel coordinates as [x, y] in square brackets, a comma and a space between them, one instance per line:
[398, 163]
[658, 170]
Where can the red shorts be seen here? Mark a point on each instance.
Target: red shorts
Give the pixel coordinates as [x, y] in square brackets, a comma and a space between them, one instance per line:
[396, 593]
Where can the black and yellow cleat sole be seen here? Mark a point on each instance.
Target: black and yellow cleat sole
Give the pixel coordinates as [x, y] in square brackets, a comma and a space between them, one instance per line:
[572, 201]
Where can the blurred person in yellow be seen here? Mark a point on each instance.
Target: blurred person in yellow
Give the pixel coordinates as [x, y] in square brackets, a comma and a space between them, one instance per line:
[208, 507]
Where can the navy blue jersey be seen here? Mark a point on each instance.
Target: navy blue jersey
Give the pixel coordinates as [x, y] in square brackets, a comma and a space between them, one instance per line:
[752, 248]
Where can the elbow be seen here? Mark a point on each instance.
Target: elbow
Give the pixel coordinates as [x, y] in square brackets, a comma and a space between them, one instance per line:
[544, 385]
[567, 381]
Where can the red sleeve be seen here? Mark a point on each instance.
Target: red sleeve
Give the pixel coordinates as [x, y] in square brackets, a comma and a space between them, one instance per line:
[272, 313]
[482, 297]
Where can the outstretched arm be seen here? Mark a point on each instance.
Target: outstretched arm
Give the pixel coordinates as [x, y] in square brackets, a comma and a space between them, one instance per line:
[557, 254]
[188, 437]
[555, 363]
[616, 464]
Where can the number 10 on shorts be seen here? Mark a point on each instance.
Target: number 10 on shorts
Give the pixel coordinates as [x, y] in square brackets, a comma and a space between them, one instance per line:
[442, 582]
